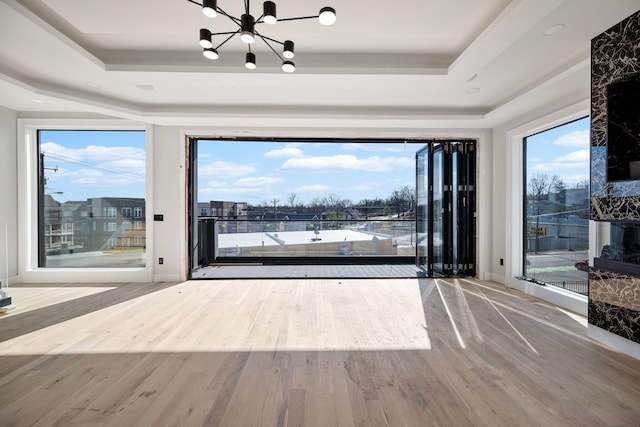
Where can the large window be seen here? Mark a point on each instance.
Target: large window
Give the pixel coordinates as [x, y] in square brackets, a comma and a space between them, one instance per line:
[90, 182]
[557, 206]
[344, 200]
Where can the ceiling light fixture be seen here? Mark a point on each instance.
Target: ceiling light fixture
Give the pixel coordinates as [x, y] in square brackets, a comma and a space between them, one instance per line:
[247, 29]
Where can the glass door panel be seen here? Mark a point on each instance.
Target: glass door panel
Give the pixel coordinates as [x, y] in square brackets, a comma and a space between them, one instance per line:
[445, 182]
[437, 212]
[422, 210]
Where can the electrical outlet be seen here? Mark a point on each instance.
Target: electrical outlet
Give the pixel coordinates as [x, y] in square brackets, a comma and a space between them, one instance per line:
[160, 260]
[501, 261]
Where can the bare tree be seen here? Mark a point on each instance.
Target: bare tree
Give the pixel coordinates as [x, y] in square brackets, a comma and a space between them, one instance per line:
[539, 187]
[334, 203]
[293, 197]
[542, 184]
[317, 204]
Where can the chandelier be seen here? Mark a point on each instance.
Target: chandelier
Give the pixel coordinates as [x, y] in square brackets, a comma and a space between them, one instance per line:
[248, 33]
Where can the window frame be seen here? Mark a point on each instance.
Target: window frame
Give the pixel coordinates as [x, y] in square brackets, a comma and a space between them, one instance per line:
[28, 152]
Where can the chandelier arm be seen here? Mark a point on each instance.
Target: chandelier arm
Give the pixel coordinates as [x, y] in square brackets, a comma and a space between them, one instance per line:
[225, 33]
[227, 39]
[269, 38]
[264, 39]
[299, 18]
[233, 18]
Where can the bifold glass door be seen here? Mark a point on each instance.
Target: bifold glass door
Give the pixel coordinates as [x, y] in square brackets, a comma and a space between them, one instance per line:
[445, 181]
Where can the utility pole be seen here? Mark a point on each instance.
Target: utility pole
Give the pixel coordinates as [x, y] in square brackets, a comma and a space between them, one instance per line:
[275, 205]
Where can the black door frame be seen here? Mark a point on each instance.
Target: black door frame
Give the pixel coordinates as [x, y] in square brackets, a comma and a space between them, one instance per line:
[457, 208]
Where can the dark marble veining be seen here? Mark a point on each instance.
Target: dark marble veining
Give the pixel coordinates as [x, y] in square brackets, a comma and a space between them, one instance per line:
[614, 303]
[615, 56]
[614, 293]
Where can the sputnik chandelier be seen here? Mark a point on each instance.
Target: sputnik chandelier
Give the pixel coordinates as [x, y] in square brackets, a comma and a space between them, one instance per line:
[248, 34]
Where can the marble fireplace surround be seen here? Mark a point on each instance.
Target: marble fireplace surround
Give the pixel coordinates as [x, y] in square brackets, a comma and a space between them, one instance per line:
[614, 287]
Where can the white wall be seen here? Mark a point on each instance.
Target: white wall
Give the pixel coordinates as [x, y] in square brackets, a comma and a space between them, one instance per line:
[8, 196]
[168, 199]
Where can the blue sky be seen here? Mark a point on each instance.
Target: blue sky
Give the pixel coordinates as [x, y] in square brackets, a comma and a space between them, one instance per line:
[112, 163]
[562, 151]
[258, 172]
[94, 164]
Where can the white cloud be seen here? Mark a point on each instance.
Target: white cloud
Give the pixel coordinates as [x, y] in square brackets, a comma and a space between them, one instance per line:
[222, 169]
[363, 187]
[411, 147]
[580, 156]
[313, 188]
[91, 153]
[216, 184]
[264, 181]
[284, 153]
[349, 162]
[579, 138]
[571, 179]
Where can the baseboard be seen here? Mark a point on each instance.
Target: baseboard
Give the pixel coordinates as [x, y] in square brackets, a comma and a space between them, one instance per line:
[617, 342]
[166, 278]
[562, 298]
[12, 280]
[493, 277]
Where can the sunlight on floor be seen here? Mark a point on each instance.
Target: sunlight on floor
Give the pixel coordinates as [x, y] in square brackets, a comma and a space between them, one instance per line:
[31, 298]
[267, 315]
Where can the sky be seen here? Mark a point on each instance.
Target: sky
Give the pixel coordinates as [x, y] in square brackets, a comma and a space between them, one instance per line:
[562, 151]
[84, 164]
[257, 171]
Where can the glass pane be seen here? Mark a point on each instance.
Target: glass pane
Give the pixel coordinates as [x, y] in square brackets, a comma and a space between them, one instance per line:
[92, 199]
[557, 206]
[438, 209]
[305, 199]
[422, 183]
[455, 213]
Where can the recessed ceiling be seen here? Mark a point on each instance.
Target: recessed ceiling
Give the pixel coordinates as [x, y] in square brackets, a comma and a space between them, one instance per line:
[459, 60]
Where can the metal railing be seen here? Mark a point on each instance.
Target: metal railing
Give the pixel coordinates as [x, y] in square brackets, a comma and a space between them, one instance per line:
[577, 286]
[258, 238]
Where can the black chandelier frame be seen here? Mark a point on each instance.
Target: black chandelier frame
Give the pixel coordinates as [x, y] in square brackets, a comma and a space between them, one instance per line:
[247, 30]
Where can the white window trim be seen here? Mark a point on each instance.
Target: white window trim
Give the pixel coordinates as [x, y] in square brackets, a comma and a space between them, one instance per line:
[28, 269]
[514, 233]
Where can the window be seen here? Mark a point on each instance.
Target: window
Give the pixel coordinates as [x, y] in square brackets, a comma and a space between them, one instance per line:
[90, 179]
[203, 212]
[307, 199]
[110, 212]
[556, 210]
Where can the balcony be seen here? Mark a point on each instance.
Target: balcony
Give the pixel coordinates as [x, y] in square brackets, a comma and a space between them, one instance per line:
[308, 241]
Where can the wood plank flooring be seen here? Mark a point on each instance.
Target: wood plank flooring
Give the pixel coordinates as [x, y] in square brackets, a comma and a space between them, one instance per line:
[319, 271]
[314, 352]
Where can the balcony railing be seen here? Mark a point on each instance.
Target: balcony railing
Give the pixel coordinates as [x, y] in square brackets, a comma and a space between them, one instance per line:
[222, 238]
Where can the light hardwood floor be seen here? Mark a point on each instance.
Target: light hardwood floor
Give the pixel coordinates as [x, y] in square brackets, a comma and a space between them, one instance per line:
[316, 352]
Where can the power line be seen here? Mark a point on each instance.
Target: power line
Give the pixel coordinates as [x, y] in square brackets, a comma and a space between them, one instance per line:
[93, 165]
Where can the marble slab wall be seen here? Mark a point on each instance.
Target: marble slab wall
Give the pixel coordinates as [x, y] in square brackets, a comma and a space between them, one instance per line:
[614, 298]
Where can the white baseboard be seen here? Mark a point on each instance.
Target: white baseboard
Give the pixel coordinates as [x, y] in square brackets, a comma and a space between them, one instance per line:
[568, 300]
[495, 278]
[166, 278]
[623, 345]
